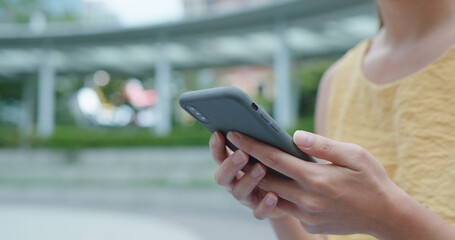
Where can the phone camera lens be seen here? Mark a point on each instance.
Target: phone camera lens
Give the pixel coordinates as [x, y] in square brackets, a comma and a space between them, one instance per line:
[198, 115]
[191, 108]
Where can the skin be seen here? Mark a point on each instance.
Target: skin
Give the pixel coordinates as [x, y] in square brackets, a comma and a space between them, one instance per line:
[335, 197]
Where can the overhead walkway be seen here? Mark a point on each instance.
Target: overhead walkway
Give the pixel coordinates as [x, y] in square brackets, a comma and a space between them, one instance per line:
[274, 35]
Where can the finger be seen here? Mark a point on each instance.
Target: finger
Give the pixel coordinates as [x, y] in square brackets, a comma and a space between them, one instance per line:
[218, 148]
[229, 168]
[302, 214]
[234, 181]
[285, 188]
[245, 186]
[288, 207]
[266, 207]
[272, 157]
[293, 192]
[228, 150]
[337, 152]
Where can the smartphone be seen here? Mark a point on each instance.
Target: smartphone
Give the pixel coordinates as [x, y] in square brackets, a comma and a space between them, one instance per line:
[227, 109]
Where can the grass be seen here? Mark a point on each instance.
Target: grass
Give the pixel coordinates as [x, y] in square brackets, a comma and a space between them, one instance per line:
[73, 137]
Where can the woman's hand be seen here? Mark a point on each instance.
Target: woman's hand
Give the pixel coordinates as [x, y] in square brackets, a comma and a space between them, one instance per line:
[242, 180]
[351, 194]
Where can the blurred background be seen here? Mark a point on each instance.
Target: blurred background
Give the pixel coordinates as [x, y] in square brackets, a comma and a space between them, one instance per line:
[93, 144]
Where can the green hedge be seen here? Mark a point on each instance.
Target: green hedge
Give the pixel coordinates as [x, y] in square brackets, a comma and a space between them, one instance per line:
[73, 137]
[76, 137]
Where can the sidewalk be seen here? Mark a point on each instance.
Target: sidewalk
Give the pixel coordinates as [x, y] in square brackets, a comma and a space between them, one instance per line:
[211, 214]
[171, 184]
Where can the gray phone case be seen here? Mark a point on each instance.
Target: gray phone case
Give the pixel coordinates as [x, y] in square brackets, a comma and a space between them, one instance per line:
[227, 109]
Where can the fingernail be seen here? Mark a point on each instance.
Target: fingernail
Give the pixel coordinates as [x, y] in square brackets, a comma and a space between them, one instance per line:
[234, 138]
[257, 171]
[271, 200]
[238, 158]
[303, 139]
[214, 140]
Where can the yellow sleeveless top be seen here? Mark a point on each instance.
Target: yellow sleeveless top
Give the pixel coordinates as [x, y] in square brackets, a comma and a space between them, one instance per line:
[408, 125]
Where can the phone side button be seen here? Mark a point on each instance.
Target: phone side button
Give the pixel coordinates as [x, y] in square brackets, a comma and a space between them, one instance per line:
[266, 119]
[275, 127]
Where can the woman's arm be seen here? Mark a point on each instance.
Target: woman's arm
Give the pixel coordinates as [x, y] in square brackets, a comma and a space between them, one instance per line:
[351, 194]
[408, 219]
[289, 228]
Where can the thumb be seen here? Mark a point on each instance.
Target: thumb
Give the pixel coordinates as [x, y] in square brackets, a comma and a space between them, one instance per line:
[324, 148]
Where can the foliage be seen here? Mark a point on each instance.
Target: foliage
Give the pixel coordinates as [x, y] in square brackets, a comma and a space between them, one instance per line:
[304, 123]
[76, 137]
[10, 90]
[309, 74]
[20, 11]
[72, 137]
[17, 11]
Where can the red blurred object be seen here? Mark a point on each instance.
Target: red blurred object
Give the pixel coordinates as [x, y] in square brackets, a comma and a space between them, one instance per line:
[139, 97]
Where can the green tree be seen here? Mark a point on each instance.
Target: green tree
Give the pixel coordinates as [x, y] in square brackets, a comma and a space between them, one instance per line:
[19, 11]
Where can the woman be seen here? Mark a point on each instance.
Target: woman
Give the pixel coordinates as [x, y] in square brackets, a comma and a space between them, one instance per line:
[392, 96]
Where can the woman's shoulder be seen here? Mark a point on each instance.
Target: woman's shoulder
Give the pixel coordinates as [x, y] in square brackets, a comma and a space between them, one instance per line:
[323, 99]
[343, 65]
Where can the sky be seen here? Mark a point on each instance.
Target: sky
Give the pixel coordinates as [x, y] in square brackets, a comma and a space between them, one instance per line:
[143, 12]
